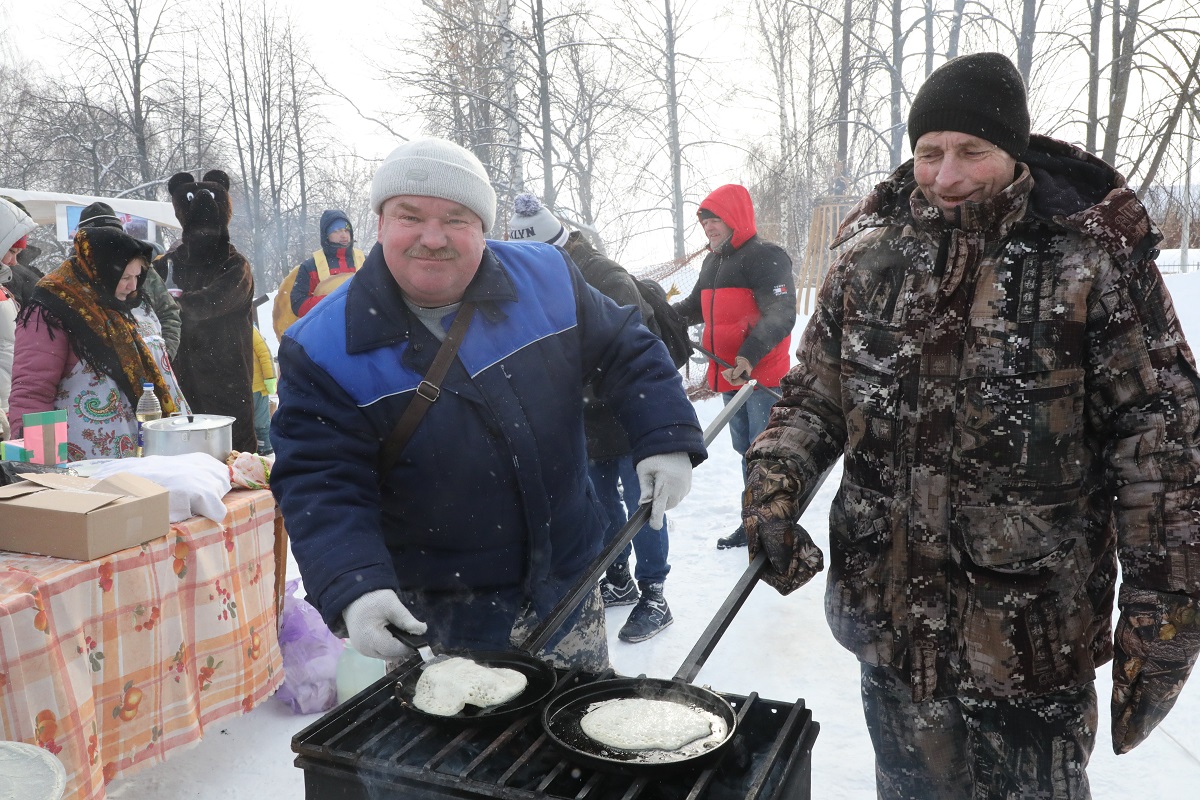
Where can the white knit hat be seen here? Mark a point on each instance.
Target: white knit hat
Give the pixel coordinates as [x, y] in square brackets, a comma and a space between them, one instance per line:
[436, 168]
[532, 222]
[14, 223]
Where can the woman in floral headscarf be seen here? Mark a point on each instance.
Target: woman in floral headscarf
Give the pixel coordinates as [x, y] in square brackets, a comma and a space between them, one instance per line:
[79, 347]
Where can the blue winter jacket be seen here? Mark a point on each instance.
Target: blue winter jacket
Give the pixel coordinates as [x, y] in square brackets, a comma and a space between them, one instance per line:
[489, 506]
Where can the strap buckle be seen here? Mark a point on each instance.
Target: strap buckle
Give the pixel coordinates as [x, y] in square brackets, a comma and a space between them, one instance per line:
[428, 391]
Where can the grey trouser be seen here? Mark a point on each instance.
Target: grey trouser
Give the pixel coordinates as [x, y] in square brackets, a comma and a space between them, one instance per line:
[961, 748]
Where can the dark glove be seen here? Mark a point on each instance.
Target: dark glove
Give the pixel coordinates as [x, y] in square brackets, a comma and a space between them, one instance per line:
[1155, 647]
[769, 510]
[739, 373]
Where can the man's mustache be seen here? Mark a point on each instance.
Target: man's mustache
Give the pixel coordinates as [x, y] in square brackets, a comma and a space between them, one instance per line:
[441, 254]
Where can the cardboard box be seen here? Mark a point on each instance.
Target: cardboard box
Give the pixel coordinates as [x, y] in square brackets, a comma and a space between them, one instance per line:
[67, 516]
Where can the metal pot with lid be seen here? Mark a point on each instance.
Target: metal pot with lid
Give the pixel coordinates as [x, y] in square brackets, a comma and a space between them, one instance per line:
[180, 434]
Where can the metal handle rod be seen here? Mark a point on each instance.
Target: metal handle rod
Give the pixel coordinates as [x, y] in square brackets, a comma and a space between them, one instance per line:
[720, 622]
[537, 639]
[737, 597]
[727, 365]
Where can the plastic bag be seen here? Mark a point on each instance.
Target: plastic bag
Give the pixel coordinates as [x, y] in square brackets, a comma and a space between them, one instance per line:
[250, 470]
[310, 656]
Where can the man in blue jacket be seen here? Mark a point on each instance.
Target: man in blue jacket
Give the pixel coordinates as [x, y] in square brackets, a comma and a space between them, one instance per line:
[486, 518]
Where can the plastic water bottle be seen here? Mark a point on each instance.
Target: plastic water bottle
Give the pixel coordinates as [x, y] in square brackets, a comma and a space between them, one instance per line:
[148, 408]
[356, 672]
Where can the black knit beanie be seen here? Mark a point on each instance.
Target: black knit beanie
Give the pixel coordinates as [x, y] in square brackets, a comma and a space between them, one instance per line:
[981, 94]
[99, 215]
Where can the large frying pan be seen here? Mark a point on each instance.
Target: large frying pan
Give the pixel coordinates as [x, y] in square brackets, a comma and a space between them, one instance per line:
[562, 714]
[540, 681]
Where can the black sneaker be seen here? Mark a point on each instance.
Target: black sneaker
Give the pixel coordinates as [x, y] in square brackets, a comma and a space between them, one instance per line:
[735, 539]
[617, 587]
[649, 616]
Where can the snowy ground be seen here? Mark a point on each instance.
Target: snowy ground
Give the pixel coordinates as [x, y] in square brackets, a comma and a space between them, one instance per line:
[779, 647]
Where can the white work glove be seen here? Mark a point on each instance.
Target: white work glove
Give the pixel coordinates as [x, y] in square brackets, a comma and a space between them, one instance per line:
[4, 429]
[666, 480]
[366, 620]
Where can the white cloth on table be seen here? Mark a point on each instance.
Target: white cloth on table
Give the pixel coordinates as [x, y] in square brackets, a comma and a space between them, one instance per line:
[196, 482]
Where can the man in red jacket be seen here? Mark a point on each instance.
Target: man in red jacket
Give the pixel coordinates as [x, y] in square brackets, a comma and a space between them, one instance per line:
[746, 298]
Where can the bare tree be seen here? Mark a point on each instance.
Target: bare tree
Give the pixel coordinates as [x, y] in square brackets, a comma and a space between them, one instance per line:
[270, 98]
[122, 40]
[669, 76]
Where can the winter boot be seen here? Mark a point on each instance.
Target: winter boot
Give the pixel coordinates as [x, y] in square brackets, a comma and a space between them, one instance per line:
[735, 539]
[617, 587]
[649, 616]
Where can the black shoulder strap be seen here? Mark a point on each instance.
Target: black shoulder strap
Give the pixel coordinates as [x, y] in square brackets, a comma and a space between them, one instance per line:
[427, 391]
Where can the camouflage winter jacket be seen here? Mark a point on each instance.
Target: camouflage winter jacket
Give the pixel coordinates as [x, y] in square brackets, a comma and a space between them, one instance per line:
[1017, 408]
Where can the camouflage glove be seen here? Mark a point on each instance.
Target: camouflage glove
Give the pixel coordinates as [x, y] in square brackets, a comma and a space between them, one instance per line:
[769, 511]
[1155, 647]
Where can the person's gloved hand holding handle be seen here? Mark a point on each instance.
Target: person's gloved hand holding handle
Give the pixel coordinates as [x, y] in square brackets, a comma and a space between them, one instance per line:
[770, 510]
[367, 619]
[1154, 649]
[739, 373]
[666, 479]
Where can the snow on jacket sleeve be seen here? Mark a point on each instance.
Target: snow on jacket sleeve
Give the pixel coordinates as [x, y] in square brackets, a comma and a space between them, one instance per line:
[807, 427]
[1142, 402]
[775, 294]
[40, 360]
[322, 439]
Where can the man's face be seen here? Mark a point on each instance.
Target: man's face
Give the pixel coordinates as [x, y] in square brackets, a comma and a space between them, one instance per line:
[10, 258]
[716, 231]
[432, 247]
[952, 168]
[340, 237]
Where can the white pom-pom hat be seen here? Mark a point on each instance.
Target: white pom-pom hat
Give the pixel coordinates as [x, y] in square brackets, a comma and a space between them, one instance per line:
[532, 222]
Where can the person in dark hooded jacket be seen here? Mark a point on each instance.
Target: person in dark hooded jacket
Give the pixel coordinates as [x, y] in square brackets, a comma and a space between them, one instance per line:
[997, 362]
[610, 460]
[327, 268]
[746, 298]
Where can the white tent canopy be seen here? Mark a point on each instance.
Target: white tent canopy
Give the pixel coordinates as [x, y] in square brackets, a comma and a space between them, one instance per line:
[46, 208]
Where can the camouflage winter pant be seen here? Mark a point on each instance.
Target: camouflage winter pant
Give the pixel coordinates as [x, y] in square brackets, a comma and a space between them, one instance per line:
[584, 646]
[961, 748]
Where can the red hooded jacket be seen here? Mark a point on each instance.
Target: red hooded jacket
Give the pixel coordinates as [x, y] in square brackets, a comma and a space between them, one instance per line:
[745, 295]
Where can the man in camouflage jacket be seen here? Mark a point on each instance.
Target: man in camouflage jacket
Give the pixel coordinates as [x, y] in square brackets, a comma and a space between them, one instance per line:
[1002, 369]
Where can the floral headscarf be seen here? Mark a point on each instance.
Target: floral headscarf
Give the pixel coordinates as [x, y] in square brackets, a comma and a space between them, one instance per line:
[79, 297]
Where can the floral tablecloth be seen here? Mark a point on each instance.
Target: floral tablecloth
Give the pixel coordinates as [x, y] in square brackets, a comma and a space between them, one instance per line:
[111, 664]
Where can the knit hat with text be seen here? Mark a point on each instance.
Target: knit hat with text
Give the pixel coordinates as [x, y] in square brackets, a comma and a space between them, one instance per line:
[436, 168]
[981, 94]
[532, 222]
